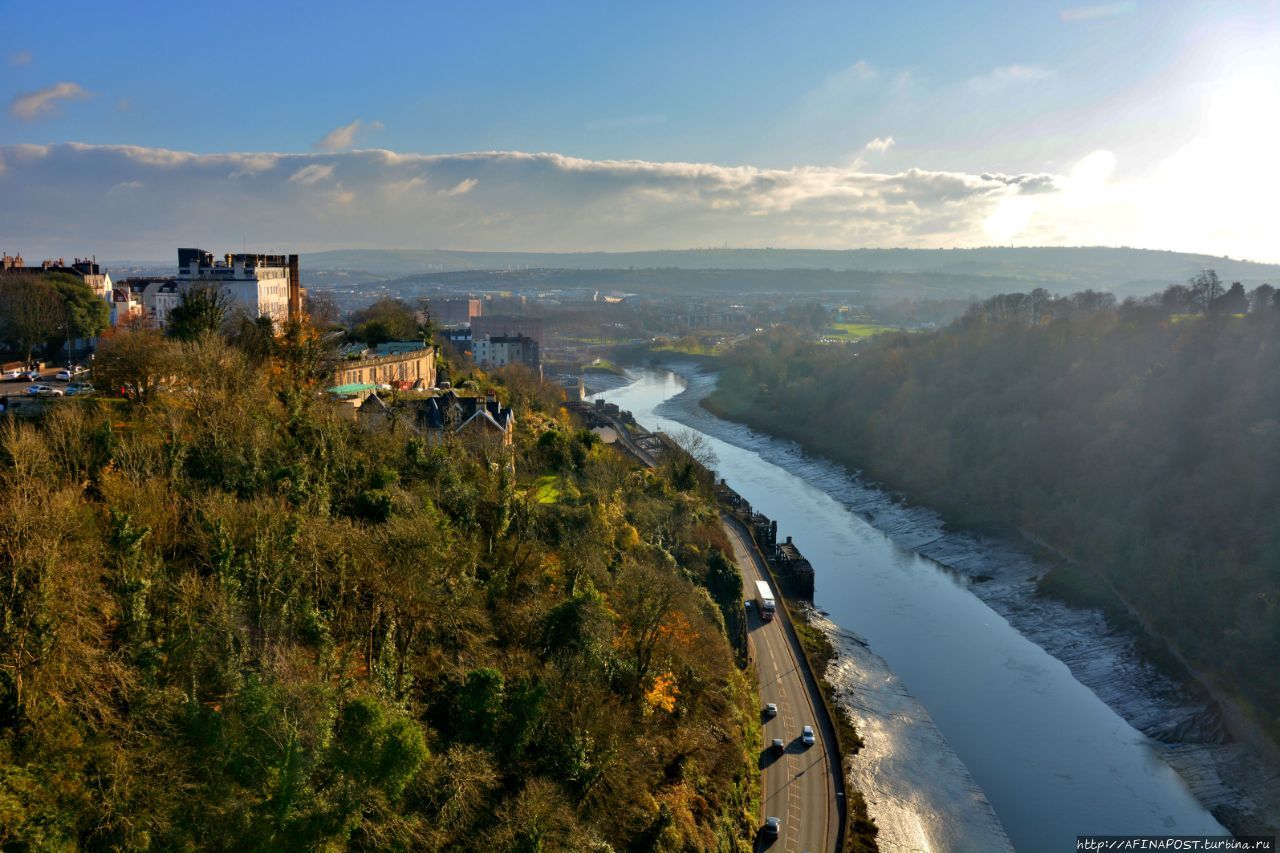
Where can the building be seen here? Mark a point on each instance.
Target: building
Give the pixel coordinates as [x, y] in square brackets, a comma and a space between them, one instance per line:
[126, 304]
[477, 417]
[480, 419]
[502, 350]
[502, 325]
[159, 297]
[387, 364]
[454, 312]
[86, 269]
[262, 285]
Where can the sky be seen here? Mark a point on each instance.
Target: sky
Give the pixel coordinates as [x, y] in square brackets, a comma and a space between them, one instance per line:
[130, 128]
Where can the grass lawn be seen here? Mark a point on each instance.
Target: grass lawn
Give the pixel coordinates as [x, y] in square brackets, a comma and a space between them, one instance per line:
[857, 331]
[546, 489]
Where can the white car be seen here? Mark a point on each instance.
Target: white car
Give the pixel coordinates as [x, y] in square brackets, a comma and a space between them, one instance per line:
[67, 373]
[771, 710]
[79, 389]
[806, 735]
[11, 375]
[44, 391]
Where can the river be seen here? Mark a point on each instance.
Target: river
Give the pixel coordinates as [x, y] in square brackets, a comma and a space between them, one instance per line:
[1053, 760]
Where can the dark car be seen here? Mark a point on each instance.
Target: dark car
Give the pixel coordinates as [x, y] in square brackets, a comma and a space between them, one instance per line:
[772, 827]
[778, 746]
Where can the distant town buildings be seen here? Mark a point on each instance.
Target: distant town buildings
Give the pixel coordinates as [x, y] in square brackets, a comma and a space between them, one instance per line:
[454, 312]
[505, 325]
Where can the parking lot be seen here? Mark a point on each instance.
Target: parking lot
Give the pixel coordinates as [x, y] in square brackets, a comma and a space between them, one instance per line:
[16, 400]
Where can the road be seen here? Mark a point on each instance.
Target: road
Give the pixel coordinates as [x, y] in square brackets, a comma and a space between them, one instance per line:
[800, 785]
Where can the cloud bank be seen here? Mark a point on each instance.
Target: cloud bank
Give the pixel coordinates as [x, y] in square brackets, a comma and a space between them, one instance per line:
[68, 198]
[127, 201]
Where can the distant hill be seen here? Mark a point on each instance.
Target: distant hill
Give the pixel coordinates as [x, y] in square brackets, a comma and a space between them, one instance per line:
[1121, 271]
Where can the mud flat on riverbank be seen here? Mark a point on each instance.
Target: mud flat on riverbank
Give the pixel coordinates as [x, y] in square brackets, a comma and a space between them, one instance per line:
[917, 789]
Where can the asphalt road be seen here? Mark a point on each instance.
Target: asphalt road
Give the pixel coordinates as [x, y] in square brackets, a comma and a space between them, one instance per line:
[799, 786]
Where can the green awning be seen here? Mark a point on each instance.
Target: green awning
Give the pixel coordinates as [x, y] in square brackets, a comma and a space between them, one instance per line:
[353, 388]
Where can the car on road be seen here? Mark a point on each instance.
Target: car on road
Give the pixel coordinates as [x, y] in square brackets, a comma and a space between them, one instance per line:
[771, 710]
[806, 735]
[772, 827]
[778, 746]
[66, 374]
[44, 391]
[79, 389]
[30, 375]
[12, 375]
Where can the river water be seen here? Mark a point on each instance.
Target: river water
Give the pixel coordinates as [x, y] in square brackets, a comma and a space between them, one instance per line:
[1053, 760]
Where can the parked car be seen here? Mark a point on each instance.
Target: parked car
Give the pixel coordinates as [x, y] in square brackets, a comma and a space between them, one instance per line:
[30, 375]
[12, 375]
[806, 735]
[67, 373]
[772, 827]
[771, 710]
[79, 389]
[44, 391]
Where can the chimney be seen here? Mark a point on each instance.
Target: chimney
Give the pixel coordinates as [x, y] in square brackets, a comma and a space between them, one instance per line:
[295, 290]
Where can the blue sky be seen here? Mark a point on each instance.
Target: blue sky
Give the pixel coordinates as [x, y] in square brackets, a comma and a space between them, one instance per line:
[853, 88]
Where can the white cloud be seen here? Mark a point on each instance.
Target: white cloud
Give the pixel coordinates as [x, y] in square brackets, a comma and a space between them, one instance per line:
[344, 137]
[312, 174]
[879, 145]
[32, 105]
[462, 187]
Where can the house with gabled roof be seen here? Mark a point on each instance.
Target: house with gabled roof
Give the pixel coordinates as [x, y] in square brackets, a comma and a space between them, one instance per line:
[483, 418]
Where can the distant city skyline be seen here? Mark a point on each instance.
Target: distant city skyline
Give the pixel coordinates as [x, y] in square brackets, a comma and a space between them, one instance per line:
[579, 127]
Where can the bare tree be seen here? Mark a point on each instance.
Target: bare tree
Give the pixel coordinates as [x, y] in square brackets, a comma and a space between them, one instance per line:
[1206, 288]
[697, 446]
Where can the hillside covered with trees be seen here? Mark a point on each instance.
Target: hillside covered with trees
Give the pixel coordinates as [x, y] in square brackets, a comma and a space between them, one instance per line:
[1141, 440]
[233, 619]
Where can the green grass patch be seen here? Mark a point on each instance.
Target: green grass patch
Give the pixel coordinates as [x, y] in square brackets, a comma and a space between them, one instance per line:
[546, 489]
[857, 331]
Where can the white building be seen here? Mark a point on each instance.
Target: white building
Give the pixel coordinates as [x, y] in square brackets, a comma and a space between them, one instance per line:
[159, 298]
[501, 350]
[259, 284]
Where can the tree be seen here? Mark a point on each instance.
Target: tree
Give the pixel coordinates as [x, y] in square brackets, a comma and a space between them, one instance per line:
[134, 359]
[1234, 301]
[30, 311]
[388, 319]
[85, 314]
[1261, 298]
[1177, 299]
[200, 309]
[1206, 289]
